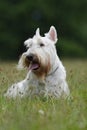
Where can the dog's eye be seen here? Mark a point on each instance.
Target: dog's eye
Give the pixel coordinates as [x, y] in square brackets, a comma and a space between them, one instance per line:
[41, 44]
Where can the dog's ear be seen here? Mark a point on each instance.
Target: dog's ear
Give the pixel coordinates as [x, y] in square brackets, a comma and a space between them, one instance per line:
[52, 34]
[38, 32]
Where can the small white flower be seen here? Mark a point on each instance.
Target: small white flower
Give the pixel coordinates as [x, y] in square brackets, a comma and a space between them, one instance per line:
[41, 112]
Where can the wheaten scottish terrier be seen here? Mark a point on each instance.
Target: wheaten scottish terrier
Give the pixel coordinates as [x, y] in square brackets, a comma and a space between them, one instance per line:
[46, 75]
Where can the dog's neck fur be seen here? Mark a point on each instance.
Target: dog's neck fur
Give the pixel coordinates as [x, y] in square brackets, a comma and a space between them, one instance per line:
[53, 72]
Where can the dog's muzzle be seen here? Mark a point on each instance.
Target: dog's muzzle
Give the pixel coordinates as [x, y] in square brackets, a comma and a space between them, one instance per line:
[32, 62]
[30, 57]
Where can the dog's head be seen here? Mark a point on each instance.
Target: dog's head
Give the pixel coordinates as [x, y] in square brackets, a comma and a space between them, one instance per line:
[41, 53]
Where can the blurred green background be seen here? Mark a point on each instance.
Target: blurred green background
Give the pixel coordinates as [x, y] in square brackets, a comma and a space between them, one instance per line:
[20, 18]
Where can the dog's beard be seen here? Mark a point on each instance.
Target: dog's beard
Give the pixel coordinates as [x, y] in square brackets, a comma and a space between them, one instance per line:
[32, 65]
[39, 67]
[42, 71]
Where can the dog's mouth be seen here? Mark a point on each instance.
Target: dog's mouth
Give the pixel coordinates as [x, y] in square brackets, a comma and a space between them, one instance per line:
[32, 62]
[34, 66]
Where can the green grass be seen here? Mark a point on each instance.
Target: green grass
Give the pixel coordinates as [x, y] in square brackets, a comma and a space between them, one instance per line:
[69, 114]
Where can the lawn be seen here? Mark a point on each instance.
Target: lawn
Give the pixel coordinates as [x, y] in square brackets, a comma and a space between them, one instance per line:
[42, 114]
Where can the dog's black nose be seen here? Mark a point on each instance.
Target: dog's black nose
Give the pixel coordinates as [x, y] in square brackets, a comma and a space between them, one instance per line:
[30, 57]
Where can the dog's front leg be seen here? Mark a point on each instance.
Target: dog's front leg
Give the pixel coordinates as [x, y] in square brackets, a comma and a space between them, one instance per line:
[18, 89]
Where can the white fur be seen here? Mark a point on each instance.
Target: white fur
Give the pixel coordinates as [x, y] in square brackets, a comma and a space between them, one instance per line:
[51, 84]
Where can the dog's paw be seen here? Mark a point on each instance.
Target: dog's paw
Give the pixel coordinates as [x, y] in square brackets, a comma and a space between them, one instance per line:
[12, 91]
[16, 90]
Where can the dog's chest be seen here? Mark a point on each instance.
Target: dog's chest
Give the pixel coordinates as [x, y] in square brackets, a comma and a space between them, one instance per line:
[37, 87]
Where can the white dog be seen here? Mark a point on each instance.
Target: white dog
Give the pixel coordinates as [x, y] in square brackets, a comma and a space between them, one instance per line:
[46, 75]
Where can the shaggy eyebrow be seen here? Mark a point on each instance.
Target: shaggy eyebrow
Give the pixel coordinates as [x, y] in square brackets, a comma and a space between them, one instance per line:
[28, 42]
